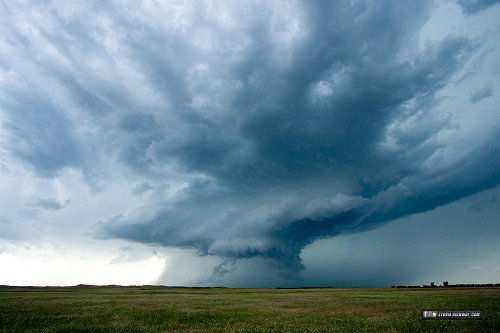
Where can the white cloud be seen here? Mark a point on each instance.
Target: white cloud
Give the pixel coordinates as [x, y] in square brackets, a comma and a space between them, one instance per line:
[46, 264]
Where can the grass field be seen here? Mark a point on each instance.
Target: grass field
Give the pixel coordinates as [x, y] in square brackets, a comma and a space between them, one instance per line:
[159, 309]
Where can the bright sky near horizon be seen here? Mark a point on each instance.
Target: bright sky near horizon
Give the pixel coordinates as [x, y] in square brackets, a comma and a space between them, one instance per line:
[249, 143]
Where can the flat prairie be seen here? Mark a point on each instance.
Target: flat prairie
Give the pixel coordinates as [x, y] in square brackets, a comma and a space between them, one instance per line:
[170, 309]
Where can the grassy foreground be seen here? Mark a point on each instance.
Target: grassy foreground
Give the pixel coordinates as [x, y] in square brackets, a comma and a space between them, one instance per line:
[159, 309]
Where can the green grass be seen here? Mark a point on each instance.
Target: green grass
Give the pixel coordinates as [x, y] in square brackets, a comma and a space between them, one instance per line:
[157, 309]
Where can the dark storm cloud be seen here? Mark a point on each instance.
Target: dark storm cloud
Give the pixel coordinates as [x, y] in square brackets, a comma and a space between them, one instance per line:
[39, 134]
[84, 98]
[474, 6]
[273, 125]
[301, 155]
[50, 204]
[142, 188]
[481, 94]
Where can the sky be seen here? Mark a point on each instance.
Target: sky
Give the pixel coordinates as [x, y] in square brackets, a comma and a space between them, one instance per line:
[250, 143]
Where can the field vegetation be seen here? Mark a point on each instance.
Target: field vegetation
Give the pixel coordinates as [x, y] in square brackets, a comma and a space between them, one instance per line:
[162, 309]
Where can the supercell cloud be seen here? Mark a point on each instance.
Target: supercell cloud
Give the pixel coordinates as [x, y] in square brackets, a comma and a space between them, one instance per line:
[250, 129]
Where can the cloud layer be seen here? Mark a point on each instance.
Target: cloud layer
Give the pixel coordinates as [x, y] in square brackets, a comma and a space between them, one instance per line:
[252, 130]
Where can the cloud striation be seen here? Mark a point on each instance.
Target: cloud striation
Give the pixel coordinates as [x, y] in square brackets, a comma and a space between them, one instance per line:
[266, 126]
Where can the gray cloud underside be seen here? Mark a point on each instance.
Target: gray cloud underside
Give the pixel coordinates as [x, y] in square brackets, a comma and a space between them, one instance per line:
[287, 126]
[474, 6]
[50, 204]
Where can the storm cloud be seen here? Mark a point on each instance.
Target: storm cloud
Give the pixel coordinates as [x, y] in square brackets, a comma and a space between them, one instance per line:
[252, 130]
[50, 204]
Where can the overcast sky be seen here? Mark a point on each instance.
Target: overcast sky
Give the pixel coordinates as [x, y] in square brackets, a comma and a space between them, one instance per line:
[249, 143]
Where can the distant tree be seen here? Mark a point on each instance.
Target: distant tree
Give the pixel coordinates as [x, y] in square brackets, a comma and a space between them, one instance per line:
[445, 283]
[432, 284]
